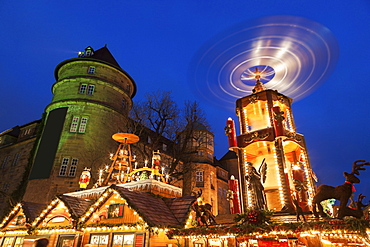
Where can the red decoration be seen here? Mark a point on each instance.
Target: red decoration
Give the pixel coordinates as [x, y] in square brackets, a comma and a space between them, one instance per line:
[235, 203]
[230, 132]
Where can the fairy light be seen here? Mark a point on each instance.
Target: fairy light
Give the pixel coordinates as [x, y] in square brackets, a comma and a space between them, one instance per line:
[281, 192]
[244, 120]
[308, 175]
[267, 116]
[289, 120]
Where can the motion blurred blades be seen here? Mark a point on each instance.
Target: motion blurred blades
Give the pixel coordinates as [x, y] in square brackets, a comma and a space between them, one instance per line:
[295, 54]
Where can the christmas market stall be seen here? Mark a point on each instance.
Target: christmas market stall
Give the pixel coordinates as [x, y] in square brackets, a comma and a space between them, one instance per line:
[116, 217]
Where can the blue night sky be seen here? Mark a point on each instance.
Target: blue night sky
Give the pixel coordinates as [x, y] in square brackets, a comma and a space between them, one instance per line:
[156, 41]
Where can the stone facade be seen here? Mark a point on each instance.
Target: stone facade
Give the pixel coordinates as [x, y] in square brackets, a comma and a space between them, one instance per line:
[15, 150]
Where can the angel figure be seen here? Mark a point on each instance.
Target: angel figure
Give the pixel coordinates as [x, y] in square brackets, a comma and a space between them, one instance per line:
[255, 180]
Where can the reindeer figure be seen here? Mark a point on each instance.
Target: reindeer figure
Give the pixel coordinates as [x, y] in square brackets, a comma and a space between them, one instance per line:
[358, 211]
[341, 192]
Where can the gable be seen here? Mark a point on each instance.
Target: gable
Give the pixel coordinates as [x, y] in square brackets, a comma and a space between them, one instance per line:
[111, 208]
[56, 214]
[15, 220]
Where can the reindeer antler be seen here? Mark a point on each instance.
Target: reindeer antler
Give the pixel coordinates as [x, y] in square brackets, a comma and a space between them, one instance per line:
[359, 167]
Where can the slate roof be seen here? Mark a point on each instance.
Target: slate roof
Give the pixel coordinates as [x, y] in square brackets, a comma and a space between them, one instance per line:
[104, 54]
[229, 155]
[32, 210]
[76, 206]
[164, 212]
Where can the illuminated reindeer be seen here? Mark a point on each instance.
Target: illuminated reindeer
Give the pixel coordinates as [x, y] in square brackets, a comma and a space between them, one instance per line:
[341, 192]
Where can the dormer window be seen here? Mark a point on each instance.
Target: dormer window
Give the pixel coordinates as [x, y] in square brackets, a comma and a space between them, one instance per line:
[89, 51]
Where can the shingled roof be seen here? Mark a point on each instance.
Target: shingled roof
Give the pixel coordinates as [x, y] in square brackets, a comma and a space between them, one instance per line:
[32, 210]
[104, 54]
[76, 206]
[162, 212]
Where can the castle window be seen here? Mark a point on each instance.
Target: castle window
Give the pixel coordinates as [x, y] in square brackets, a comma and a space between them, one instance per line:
[74, 124]
[73, 168]
[5, 161]
[91, 70]
[83, 124]
[164, 147]
[63, 167]
[86, 89]
[90, 90]
[200, 153]
[199, 178]
[82, 89]
[16, 158]
[78, 125]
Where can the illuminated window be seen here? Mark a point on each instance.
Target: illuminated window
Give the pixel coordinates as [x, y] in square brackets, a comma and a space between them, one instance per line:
[91, 70]
[8, 242]
[18, 242]
[63, 167]
[73, 168]
[78, 125]
[82, 89]
[90, 90]
[16, 158]
[123, 240]
[99, 240]
[199, 182]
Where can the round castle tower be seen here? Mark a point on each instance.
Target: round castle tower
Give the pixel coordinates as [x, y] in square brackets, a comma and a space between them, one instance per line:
[92, 98]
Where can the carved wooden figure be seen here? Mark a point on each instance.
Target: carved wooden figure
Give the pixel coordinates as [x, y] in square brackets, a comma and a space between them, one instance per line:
[341, 192]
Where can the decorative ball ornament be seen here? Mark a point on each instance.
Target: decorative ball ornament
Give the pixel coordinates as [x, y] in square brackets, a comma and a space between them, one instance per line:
[290, 54]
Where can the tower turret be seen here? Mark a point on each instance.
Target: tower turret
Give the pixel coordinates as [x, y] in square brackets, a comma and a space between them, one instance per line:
[92, 96]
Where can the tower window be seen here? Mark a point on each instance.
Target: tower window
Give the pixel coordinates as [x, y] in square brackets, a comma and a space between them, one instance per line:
[73, 168]
[86, 89]
[91, 70]
[164, 147]
[74, 124]
[63, 167]
[16, 158]
[5, 162]
[199, 179]
[83, 125]
[78, 125]
[82, 89]
[90, 90]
